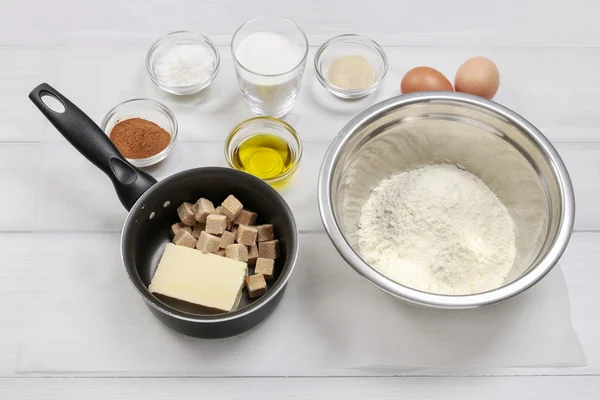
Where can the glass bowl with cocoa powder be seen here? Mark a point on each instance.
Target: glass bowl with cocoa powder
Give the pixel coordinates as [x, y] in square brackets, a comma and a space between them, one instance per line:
[144, 130]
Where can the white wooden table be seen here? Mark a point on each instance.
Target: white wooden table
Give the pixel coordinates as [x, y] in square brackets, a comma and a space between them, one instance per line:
[69, 320]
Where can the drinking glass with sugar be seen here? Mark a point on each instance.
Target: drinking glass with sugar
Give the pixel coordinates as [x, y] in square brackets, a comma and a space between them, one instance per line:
[269, 55]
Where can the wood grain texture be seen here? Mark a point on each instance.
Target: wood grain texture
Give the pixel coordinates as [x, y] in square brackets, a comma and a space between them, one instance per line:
[468, 388]
[425, 23]
[553, 88]
[72, 195]
[21, 69]
[19, 164]
[56, 211]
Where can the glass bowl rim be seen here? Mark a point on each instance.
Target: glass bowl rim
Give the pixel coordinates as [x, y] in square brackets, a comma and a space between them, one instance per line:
[372, 45]
[148, 161]
[199, 39]
[236, 129]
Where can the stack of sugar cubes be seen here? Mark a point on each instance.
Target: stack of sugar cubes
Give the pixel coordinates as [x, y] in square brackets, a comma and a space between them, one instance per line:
[229, 230]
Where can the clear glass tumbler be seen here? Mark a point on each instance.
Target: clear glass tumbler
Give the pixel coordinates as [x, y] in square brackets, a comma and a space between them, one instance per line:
[270, 94]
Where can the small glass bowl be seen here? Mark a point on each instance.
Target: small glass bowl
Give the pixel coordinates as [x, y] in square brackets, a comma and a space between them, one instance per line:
[265, 125]
[181, 38]
[350, 44]
[147, 109]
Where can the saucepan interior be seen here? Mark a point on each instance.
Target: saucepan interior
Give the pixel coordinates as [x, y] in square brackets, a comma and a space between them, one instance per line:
[147, 231]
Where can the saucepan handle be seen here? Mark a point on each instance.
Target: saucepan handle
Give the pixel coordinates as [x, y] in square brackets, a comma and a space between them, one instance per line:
[87, 137]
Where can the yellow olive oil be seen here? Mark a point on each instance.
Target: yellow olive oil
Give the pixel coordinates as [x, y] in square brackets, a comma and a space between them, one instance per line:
[265, 156]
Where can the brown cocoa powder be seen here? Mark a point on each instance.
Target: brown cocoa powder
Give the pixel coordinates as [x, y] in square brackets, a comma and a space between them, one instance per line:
[139, 138]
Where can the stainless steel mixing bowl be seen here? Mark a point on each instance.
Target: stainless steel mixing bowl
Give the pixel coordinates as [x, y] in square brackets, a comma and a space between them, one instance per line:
[508, 153]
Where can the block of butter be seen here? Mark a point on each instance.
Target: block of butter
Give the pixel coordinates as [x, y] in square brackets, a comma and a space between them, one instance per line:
[204, 279]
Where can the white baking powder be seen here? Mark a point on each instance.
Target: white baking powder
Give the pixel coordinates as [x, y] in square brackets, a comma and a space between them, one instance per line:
[268, 53]
[438, 229]
[184, 65]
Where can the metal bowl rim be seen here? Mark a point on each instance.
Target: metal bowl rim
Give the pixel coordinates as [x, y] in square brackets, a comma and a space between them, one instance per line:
[439, 300]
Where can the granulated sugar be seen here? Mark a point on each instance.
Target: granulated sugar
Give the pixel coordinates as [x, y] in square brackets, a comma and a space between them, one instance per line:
[268, 53]
[438, 229]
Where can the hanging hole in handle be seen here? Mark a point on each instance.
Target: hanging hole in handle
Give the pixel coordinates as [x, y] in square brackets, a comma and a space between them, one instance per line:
[52, 102]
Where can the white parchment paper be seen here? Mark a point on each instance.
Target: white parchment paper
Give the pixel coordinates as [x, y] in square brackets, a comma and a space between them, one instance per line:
[330, 322]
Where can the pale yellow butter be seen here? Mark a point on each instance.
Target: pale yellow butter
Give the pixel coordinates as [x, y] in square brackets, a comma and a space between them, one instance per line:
[205, 279]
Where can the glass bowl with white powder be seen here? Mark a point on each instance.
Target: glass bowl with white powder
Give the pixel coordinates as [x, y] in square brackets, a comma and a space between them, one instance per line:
[350, 66]
[183, 63]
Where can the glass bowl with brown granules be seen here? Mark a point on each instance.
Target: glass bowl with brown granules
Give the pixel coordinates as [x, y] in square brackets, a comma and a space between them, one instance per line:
[144, 130]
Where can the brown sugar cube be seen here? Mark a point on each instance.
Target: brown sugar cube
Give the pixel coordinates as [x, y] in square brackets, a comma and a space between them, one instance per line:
[245, 279]
[246, 218]
[208, 243]
[246, 235]
[198, 227]
[179, 226]
[221, 252]
[203, 208]
[265, 266]
[231, 207]
[186, 214]
[265, 232]
[184, 238]
[229, 222]
[215, 224]
[252, 254]
[269, 249]
[257, 286]
[234, 230]
[237, 252]
[227, 238]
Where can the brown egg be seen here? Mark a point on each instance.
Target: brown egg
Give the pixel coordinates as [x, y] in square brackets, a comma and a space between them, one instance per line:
[478, 76]
[421, 79]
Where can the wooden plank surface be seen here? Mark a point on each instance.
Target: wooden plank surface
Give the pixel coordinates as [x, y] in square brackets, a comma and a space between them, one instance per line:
[71, 191]
[539, 23]
[467, 388]
[548, 53]
[553, 88]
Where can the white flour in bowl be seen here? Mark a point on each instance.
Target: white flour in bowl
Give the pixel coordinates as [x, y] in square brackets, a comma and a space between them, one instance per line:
[438, 229]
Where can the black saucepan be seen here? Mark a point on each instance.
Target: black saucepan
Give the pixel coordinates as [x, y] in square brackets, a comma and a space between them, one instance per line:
[153, 208]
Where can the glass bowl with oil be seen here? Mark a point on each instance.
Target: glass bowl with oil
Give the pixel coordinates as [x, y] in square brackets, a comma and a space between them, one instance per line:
[265, 147]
